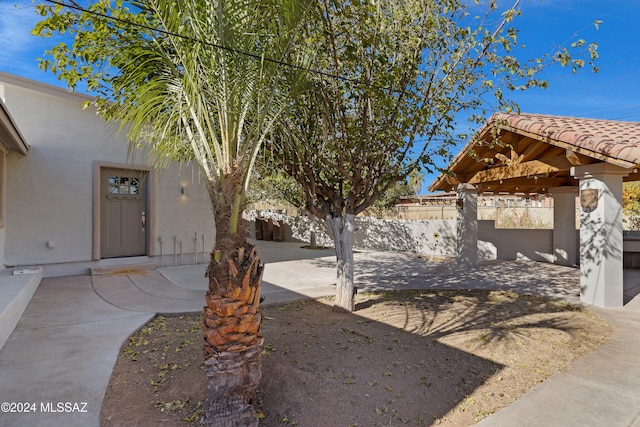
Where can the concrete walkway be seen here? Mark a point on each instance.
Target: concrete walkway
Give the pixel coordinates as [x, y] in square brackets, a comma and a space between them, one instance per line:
[60, 357]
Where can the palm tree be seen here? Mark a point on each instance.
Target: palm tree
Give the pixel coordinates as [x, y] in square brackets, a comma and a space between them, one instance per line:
[221, 105]
[177, 76]
[415, 180]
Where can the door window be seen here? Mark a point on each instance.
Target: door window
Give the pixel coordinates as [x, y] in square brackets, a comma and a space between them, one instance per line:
[124, 185]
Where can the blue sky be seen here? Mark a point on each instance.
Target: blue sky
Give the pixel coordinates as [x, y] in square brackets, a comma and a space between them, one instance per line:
[612, 93]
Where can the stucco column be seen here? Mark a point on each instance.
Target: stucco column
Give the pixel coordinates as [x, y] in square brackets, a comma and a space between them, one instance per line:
[467, 225]
[564, 225]
[601, 233]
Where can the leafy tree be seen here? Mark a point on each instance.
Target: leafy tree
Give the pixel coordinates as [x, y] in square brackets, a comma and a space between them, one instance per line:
[631, 198]
[384, 205]
[174, 75]
[273, 186]
[277, 189]
[407, 71]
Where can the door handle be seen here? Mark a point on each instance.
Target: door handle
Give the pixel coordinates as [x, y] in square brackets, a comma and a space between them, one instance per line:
[143, 219]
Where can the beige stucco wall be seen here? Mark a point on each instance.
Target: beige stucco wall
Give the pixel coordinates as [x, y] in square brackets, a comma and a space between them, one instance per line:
[432, 237]
[50, 191]
[3, 238]
[181, 217]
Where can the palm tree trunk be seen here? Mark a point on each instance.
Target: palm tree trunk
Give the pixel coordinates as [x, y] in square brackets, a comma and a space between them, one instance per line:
[232, 345]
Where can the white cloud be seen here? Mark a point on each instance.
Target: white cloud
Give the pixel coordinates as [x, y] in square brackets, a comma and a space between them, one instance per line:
[20, 50]
[16, 22]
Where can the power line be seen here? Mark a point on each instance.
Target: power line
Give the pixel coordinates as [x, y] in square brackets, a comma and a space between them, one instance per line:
[77, 7]
[105, 17]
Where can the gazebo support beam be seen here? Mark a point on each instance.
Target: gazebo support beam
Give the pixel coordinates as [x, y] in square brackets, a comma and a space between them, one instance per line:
[564, 225]
[467, 225]
[601, 263]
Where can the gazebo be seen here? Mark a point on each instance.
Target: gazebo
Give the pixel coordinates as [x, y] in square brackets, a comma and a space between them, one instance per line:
[563, 156]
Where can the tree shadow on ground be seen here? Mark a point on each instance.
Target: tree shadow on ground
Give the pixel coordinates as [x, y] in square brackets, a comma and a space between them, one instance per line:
[379, 271]
[313, 379]
[392, 362]
[271, 252]
[479, 311]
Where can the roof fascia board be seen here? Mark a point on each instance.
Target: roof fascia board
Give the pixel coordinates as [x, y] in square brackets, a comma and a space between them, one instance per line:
[11, 136]
[45, 88]
[520, 170]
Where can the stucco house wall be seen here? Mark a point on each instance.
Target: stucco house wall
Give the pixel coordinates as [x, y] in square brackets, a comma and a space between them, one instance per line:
[3, 239]
[50, 203]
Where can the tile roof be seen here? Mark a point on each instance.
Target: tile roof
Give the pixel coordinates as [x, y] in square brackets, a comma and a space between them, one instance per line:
[541, 146]
[615, 139]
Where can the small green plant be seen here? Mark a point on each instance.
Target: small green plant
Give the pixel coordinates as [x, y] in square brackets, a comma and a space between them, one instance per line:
[267, 348]
[173, 406]
[195, 414]
[382, 410]
[286, 420]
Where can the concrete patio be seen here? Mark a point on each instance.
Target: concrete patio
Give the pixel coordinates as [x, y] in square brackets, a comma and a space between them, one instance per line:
[66, 343]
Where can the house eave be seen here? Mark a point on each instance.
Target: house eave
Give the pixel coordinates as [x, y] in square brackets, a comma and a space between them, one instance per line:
[10, 135]
[45, 88]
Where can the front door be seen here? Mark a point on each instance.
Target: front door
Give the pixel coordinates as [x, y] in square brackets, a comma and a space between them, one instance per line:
[123, 213]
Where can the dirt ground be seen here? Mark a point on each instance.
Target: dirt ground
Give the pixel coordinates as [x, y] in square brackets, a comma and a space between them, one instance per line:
[414, 358]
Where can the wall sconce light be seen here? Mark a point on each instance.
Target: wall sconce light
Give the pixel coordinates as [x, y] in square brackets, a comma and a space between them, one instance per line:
[183, 191]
